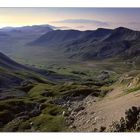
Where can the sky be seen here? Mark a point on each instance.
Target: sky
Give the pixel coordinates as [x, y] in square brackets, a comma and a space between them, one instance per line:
[72, 18]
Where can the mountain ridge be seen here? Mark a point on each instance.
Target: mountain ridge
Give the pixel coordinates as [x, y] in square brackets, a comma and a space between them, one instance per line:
[100, 43]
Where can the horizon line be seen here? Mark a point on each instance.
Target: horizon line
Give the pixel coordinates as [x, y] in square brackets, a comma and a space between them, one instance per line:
[59, 28]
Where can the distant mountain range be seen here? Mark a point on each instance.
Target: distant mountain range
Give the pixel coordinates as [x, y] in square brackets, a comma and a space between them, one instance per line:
[122, 43]
[61, 36]
[34, 28]
[26, 31]
[100, 43]
[12, 37]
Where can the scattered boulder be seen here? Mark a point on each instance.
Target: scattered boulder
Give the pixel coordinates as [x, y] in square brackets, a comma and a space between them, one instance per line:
[79, 109]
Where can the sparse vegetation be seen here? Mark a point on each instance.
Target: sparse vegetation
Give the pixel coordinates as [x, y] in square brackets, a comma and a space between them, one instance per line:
[130, 123]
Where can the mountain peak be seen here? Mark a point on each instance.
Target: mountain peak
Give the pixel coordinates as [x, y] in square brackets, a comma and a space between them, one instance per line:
[99, 29]
[123, 33]
[122, 29]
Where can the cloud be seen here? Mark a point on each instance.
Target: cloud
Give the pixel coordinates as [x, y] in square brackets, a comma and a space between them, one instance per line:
[83, 21]
[62, 27]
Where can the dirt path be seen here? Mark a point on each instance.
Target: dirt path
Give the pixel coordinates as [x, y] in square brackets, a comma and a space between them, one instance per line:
[101, 112]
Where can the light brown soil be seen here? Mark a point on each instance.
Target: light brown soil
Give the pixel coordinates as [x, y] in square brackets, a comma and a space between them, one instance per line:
[102, 112]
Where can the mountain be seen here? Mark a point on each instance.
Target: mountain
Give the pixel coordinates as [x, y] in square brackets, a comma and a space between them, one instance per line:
[11, 38]
[26, 33]
[122, 33]
[96, 44]
[34, 44]
[58, 36]
[40, 29]
[62, 36]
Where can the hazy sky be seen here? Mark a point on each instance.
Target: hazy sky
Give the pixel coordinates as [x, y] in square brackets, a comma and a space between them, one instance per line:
[76, 18]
